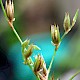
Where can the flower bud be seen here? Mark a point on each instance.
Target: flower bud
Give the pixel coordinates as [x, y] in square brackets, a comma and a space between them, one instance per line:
[55, 34]
[66, 24]
[9, 7]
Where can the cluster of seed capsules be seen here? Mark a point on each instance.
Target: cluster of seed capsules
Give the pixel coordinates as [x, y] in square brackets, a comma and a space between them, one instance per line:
[38, 65]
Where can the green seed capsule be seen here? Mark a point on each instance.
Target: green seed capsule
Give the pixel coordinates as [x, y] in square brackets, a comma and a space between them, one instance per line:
[28, 53]
[9, 7]
[66, 24]
[38, 63]
[55, 34]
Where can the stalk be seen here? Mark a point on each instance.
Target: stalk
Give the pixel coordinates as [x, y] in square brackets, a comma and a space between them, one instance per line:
[74, 75]
[10, 24]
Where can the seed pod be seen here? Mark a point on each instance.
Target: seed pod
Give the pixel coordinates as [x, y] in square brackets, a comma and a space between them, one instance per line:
[55, 34]
[38, 63]
[66, 24]
[9, 7]
[28, 53]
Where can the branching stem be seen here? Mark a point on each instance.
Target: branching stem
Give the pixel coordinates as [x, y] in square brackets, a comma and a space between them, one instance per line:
[52, 61]
[55, 54]
[15, 32]
[63, 36]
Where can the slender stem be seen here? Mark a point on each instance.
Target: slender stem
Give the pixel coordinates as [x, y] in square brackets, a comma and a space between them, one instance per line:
[52, 61]
[11, 25]
[17, 35]
[55, 54]
[15, 32]
[63, 36]
[0, 1]
[74, 75]
[78, 71]
[3, 10]
[38, 77]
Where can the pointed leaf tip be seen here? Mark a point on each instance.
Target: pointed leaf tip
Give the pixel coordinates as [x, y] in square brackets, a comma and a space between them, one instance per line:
[75, 17]
[36, 47]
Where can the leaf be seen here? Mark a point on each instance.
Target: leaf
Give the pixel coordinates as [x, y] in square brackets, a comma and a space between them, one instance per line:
[75, 17]
[36, 47]
[25, 43]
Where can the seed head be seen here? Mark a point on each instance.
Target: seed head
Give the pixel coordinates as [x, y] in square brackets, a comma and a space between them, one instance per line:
[9, 7]
[66, 24]
[55, 34]
[28, 53]
[38, 65]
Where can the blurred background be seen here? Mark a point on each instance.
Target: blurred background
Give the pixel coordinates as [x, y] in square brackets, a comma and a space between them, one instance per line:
[32, 20]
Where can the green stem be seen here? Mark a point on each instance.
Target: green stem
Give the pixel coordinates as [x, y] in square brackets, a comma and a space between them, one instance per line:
[74, 75]
[55, 54]
[38, 78]
[17, 35]
[11, 25]
[52, 61]
[63, 36]
[15, 32]
[3, 10]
